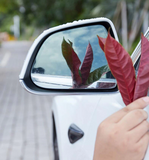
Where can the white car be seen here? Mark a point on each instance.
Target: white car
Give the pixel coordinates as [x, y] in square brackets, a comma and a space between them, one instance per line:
[78, 107]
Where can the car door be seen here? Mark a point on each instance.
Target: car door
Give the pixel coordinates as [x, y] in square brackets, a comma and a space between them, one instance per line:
[80, 104]
[47, 70]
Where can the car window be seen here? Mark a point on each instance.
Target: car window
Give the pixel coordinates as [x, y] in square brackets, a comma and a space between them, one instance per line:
[136, 66]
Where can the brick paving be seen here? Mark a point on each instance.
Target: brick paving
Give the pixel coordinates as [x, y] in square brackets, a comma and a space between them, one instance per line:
[25, 119]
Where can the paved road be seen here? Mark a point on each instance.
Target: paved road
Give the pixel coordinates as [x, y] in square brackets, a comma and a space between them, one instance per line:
[25, 119]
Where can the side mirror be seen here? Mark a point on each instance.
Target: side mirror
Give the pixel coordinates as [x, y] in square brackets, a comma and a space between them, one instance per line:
[68, 59]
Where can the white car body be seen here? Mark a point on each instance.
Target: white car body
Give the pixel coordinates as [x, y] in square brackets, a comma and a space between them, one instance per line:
[86, 110]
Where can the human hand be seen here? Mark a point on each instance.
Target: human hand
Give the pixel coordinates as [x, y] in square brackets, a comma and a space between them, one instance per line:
[124, 135]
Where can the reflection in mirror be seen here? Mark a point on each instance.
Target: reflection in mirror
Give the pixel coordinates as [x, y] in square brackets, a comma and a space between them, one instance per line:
[73, 59]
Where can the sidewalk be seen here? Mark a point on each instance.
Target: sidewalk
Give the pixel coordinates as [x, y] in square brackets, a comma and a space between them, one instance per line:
[25, 119]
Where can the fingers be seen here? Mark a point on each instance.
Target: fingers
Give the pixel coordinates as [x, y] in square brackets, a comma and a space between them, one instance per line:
[133, 119]
[140, 103]
[138, 132]
[143, 144]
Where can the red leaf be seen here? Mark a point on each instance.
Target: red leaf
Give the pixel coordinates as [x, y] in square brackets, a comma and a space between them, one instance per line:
[87, 64]
[102, 42]
[142, 83]
[67, 53]
[121, 67]
[75, 70]
[72, 61]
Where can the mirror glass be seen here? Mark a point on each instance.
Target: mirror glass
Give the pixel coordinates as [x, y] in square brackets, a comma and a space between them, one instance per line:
[73, 59]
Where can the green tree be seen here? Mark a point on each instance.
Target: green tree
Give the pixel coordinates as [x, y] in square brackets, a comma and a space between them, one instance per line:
[8, 6]
[8, 9]
[50, 13]
[127, 15]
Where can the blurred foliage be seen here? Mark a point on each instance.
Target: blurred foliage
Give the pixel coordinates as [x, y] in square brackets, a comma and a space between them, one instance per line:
[47, 13]
[8, 8]
[42, 14]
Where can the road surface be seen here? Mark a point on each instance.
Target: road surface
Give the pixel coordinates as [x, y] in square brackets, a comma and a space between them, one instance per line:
[25, 119]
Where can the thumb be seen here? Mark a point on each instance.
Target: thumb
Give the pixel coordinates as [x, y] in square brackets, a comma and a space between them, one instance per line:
[140, 103]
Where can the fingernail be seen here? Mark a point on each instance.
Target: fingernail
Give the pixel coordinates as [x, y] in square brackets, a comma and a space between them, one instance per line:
[146, 99]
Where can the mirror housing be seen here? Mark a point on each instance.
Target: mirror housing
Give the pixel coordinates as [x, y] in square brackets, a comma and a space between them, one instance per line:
[28, 81]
